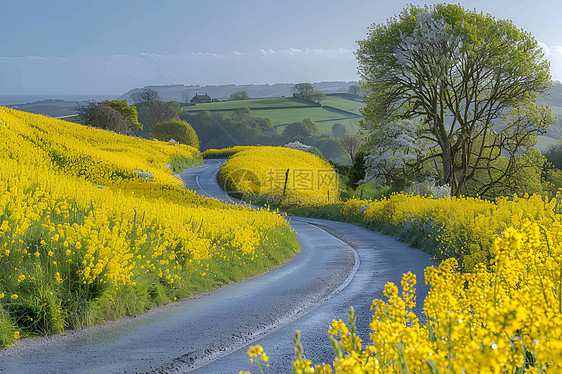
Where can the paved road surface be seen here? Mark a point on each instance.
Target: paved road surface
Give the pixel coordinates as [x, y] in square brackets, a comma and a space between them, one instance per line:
[339, 265]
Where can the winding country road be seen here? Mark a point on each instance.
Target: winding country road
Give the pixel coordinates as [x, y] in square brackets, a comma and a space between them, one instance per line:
[339, 265]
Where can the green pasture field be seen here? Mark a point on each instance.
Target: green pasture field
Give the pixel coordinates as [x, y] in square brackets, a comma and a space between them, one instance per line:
[286, 116]
[351, 124]
[341, 103]
[285, 113]
[250, 103]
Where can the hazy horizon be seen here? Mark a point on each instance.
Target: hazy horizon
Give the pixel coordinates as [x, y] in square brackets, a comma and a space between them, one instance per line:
[106, 48]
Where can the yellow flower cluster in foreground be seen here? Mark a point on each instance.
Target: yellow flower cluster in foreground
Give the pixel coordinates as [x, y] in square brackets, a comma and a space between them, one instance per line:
[501, 312]
[94, 225]
[505, 319]
[267, 172]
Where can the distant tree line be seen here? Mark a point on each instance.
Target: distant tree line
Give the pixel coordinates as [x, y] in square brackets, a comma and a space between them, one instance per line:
[240, 127]
[149, 117]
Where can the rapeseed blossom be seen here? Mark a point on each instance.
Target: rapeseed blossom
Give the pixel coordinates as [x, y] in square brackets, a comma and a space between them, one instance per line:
[69, 247]
[280, 175]
[495, 302]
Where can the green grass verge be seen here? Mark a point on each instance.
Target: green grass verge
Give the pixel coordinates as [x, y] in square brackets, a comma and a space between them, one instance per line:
[179, 163]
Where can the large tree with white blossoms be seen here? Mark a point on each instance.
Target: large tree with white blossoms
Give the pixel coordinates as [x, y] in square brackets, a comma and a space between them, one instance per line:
[455, 89]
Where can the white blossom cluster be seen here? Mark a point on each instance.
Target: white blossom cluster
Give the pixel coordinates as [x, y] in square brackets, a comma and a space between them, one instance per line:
[299, 146]
[430, 35]
[429, 188]
[396, 144]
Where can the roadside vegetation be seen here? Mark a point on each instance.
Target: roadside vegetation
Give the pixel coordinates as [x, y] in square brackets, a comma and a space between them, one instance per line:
[95, 226]
[470, 190]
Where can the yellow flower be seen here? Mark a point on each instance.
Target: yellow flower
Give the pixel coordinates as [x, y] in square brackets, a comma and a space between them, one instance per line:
[17, 335]
[14, 296]
[254, 351]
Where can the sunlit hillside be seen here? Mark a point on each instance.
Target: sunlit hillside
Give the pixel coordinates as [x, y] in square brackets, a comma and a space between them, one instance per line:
[94, 225]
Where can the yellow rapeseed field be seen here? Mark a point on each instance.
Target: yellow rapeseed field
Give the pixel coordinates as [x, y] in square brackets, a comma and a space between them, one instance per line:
[224, 152]
[264, 173]
[94, 225]
[495, 303]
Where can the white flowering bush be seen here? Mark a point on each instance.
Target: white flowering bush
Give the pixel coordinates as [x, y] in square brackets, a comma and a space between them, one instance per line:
[394, 144]
[298, 146]
[428, 188]
[303, 147]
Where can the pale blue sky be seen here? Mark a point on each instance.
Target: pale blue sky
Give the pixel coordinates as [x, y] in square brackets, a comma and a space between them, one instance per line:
[108, 47]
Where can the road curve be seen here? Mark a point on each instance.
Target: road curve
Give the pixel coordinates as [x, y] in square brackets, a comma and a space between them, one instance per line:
[339, 265]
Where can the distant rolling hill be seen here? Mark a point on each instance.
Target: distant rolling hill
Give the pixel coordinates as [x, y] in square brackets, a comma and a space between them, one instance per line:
[223, 92]
[52, 108]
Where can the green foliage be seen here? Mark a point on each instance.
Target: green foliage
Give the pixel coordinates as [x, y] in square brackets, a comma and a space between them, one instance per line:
[175, 105]
[306, 91]
[103, 116]
[180, 163]
[240, 95]
[534, 176]
[357, 171]
[354, 90]
[176, 129]
[155, 111]
[338, 130]
[554, 155]
[241, 127]
[301, 129]
[431, 62]
[303, 90]
[128, 111]
[317, 96]
[331, 149]
[7, 329]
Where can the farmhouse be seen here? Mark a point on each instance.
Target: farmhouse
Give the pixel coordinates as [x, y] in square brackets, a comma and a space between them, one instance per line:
[198, 99]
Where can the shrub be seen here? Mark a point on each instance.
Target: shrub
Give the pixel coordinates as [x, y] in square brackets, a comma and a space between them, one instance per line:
[176, 129]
